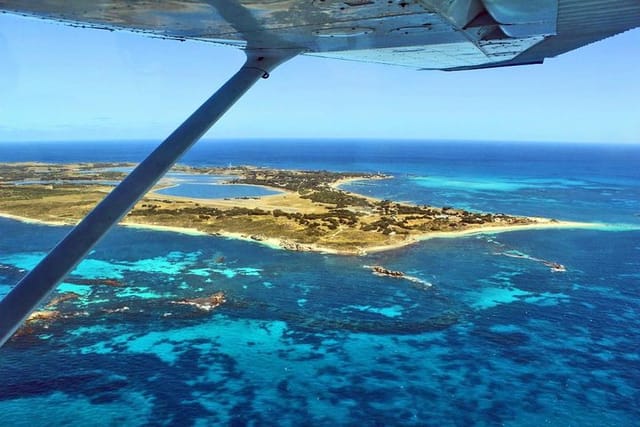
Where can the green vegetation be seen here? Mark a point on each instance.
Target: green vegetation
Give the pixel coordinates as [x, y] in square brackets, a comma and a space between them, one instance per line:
[302, 182]
[55, 173]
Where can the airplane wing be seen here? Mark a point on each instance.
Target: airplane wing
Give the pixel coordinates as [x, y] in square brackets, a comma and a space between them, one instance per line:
[423, 34]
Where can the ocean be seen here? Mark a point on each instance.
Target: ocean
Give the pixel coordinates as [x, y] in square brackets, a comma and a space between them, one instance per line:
[316, 339]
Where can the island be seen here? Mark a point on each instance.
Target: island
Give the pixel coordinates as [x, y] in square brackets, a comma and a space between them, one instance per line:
[310, 212]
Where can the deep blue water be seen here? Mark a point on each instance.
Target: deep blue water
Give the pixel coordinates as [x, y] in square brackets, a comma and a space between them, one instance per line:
[317, 339]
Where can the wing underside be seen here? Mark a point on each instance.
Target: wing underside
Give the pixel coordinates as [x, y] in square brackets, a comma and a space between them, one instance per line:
[423, 34]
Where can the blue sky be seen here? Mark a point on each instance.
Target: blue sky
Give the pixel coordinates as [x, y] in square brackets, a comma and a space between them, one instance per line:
[64, 83]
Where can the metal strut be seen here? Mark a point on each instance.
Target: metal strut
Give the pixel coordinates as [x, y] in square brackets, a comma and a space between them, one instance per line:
[36, 286]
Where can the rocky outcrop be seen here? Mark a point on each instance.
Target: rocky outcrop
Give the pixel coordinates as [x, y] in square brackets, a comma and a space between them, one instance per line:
[381, 271]
[290, 245]
[204, 303]
[385, 272]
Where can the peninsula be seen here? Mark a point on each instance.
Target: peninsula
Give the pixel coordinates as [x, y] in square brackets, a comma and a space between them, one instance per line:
[309, 213]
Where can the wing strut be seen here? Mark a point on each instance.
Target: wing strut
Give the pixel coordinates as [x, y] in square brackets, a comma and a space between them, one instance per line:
[36, 286]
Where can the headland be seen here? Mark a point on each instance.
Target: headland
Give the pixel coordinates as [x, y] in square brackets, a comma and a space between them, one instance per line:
[310, 213]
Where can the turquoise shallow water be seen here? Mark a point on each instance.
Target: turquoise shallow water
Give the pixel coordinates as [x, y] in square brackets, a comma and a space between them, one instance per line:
[498, 339]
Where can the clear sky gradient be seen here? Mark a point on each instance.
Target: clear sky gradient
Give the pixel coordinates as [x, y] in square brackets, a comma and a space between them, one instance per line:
[64, 83]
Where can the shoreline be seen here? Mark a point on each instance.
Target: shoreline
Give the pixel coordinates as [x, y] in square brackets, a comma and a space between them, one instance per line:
[173, 183]
[343, 181]
[543, 224]
[318, 217]
[165, 228]
[286, 244]
[28, 220]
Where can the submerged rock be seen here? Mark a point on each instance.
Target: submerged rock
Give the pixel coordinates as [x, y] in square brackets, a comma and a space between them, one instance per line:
[67, 296]
[43, 315]
[555, 267]
[95, 282]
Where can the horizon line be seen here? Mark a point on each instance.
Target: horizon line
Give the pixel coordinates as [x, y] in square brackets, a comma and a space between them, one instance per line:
[328, 139]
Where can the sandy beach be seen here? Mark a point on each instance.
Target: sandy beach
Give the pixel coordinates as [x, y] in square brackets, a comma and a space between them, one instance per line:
[33, 221]
[545, 224]
[181, 230]
[343, 181]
